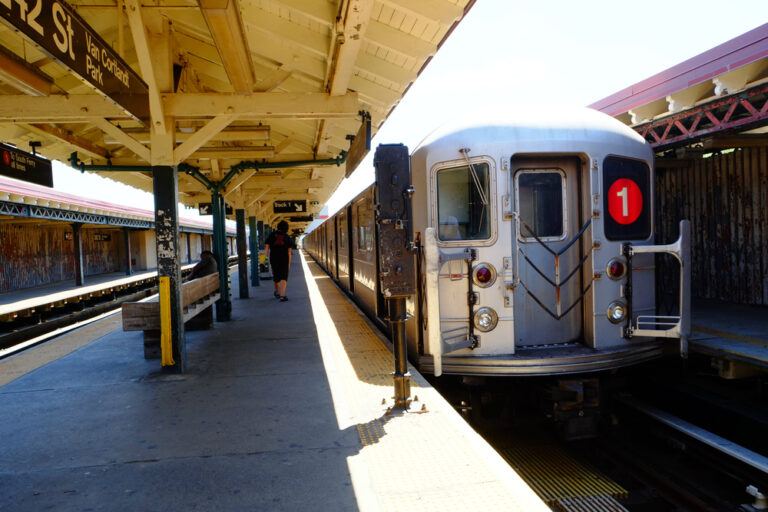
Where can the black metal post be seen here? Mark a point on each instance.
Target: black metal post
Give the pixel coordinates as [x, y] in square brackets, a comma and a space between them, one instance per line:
[242, 253]
[77, 239]
[189, 247]
[397, 317]
[166, 192]
[128, 263]
[254, 246]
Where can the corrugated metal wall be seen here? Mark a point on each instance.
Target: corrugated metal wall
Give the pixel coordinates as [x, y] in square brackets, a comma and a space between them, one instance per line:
[725, 197]
[34, 255]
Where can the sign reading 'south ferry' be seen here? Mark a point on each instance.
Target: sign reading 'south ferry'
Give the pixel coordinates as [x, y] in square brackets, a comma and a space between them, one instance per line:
[60, 32]
[17, 164]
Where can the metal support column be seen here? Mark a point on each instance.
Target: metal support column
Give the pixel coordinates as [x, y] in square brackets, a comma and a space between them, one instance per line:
[127, 240]
[242, 254]
[77, 238]
[166, 191]
[223, 305]
[402, 379]
[254, 246]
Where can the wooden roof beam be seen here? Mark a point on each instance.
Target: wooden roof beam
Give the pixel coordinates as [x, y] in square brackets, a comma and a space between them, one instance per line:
[349, 40]
[22, 76]
[57, 107]
[263, 105]
[141, 42]
[79, 143]
[223, 19]
[201, 136]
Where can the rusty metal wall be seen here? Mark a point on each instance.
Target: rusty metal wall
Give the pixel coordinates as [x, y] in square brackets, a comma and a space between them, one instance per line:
[725, 196]
[33, 255]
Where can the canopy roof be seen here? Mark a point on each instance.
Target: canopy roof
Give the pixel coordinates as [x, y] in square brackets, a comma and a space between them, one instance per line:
[217, 83]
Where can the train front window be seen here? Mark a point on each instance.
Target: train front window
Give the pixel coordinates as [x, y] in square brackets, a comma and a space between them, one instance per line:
[463, 211]
[540, 204]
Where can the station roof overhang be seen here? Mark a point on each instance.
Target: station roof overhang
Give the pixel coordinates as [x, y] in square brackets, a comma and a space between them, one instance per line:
[715, 100]
[292, 88]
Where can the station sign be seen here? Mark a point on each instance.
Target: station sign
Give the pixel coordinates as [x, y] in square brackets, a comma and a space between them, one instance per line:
[64, 36]
[17, 164]
[289, 206]
[207, 209]
[302, 218]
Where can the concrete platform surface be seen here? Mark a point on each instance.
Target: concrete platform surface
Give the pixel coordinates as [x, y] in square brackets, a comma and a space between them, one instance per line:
[279, 409]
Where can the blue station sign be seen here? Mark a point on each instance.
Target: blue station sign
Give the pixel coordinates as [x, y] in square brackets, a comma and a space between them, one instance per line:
[62, 34]
[17, 164]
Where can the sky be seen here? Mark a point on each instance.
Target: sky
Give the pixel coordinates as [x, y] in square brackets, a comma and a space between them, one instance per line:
[504, 51]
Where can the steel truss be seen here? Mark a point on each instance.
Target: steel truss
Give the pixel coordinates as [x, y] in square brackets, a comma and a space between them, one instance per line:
[41, 212]
[746, 110]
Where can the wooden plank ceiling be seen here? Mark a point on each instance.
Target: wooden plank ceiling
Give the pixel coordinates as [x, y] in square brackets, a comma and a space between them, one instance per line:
[229, 81]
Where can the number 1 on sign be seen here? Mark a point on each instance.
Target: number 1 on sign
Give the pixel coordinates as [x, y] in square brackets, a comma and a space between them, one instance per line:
[624, 194]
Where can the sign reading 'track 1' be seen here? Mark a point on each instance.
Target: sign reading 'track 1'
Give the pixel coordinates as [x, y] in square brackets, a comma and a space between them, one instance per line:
[625, 201]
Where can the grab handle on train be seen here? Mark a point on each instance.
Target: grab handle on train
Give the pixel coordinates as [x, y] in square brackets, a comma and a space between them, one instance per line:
[680, 326]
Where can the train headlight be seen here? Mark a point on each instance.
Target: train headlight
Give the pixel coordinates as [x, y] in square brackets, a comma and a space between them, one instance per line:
[484, 275]
[617, 311]
[616, 268]
[485, 319]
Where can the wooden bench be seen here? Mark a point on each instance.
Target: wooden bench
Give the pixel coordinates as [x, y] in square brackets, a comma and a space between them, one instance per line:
[197, 298]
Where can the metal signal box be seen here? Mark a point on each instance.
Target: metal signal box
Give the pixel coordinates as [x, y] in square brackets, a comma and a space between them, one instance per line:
[393, 214]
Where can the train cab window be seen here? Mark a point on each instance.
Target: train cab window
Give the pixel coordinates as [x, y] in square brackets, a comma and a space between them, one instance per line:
[540, 203]
[463, 208]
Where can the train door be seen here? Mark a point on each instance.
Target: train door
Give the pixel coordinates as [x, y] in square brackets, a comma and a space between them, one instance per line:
[342, 249]
[548, 248]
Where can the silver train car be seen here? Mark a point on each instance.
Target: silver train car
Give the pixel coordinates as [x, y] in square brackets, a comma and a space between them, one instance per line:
[534, 248]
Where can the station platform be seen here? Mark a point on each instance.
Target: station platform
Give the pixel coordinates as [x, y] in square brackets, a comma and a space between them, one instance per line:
[279, 409]
[733, 332]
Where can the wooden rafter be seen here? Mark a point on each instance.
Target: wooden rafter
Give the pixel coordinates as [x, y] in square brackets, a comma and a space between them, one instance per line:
[141, 42]
[79, 143]
[223, 19]
[263, 105]
[22, 76]
[201, 136]
[137, 147]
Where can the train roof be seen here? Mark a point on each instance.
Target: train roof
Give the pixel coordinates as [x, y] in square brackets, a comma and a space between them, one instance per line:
[528, 122]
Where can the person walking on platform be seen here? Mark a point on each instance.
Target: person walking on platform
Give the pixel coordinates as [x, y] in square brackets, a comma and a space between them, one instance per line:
[278, 249]
[207, 265]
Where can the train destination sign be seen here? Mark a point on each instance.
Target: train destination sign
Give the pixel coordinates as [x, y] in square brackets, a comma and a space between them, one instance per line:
[17, 164]
[289, 206]
[61, 33]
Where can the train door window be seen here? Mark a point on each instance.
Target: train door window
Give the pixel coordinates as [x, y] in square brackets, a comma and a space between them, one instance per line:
[463, 203]
[627, 199]
[540, 204]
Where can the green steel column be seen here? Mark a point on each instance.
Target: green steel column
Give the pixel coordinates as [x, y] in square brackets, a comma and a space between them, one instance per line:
[254, 246]
[127, 243]
[77, 240]
[166, 192]
[242, 254]
[219, 251]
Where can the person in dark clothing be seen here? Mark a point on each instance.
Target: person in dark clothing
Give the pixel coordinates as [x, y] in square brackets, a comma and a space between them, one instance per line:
[207, 265]
[278, 249]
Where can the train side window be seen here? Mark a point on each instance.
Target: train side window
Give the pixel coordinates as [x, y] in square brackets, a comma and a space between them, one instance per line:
[540, 203]
[463, 208]
[342, 231]
[364, 228]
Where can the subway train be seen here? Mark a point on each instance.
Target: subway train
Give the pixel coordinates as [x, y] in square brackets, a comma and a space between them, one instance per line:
[533, 247]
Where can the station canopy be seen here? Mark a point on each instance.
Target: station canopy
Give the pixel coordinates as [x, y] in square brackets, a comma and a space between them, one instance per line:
[291, 87]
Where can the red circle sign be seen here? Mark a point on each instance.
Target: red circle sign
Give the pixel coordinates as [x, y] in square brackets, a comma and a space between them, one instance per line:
[625, 201]
[6, 158]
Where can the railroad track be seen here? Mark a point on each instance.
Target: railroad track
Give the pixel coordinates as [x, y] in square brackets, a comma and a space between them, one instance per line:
[29, 326]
